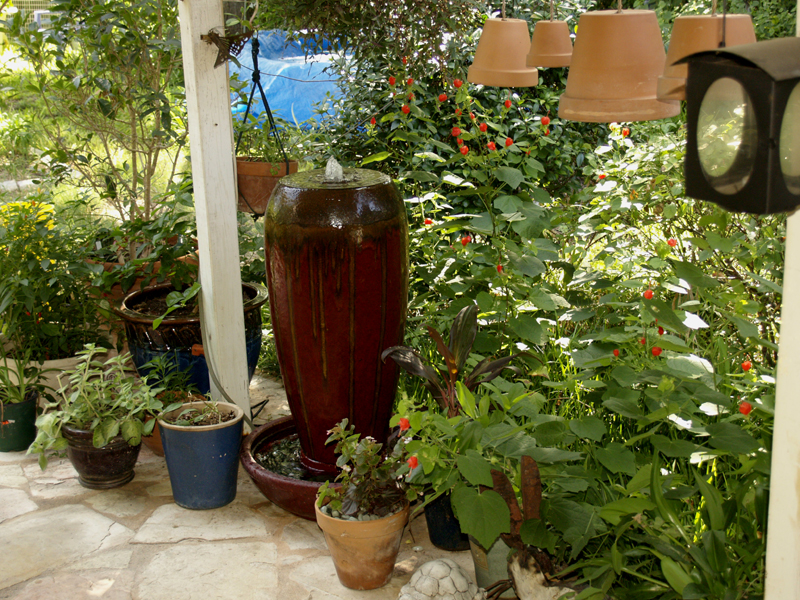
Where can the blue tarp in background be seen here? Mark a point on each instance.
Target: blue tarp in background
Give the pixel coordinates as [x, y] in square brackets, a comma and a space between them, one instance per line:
[291, 99]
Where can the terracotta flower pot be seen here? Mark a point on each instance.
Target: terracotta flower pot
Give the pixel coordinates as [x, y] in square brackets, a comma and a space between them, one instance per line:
[364, 552]
[255, 180]
[100, 468]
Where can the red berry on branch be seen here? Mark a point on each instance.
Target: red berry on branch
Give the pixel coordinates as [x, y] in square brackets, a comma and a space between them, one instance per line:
[547, 132]
[660, 330]
[507, 103]
[616, 352]
[509, 141]
[392, 80]
[601, 176]
[413, 463]
[459, 141]
[483, 127]
[656, 351]
[458, 112]
[648, 294]
[464, 150]
[545, 121]
[442, 97]
[405, 109]
[625, 132]
[499, 268]
[410, 81]
[747, 365]
[455, 131]
[428, 221]
[745, 408]
[472, 116]
[465, 240]
[491, 146]
[672, 242]
[457, 83]
[643, 341]
[405, 425]
[405, 60]
[372, 121]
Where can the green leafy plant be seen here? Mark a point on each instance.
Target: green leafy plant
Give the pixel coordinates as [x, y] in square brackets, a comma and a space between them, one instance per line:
[442, 382]
[19, 378]
[105, 398]
[44, 306]
[371, 481]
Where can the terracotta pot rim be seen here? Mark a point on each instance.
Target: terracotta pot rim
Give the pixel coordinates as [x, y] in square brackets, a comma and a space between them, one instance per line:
[230, 408]
[364, 529]
[136, 317]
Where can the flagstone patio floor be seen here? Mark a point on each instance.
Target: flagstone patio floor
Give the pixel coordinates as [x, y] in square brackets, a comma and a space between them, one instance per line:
[60, 541]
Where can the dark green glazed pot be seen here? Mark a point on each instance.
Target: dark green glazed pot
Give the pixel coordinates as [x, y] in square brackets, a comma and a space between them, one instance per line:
[18, 424]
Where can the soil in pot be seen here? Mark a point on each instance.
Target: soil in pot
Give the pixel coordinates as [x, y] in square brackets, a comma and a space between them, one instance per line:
[100, 468]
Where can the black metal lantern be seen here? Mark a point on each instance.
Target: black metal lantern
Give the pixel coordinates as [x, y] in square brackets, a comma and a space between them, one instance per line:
[743, 126]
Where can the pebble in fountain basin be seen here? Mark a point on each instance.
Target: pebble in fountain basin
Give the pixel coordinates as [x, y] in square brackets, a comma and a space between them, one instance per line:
[296, 496]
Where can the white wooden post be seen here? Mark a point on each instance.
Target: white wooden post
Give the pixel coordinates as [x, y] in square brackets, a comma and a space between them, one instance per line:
[783, 527]
[213, 169]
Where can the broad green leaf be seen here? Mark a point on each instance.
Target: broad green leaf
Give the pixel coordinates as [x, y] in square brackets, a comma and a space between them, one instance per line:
[717, 242]
[542, 299]
[132, 431]
[527, 327]
[552, 455]
[550, 433]
[513, 177]
[664, 313]
[475, 469]
[507, 203]
[422, 176]
[746, 328]
[674, 448]
[675, 574]
[623, 401]
[614, 511]
[657, 495]
[526, 264]
[483, 516]
[375, 158]
[639, 481]
[588, 427]
[693, 275]
[713, 502]
[714, 545]
[731, 438]
[616, 458]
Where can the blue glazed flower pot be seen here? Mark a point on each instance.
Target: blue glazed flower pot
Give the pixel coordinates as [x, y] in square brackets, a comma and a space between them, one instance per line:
[180, 338]
[203, 461]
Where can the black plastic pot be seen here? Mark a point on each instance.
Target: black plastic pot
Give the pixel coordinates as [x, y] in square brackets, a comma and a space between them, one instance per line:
[100, 468]
[443, 528]
[18, 424]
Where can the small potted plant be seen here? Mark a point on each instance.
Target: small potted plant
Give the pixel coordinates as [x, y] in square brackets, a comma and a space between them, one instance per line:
[100, 420]
[363, 518]
[19, 394]
[264, 154]
[201, 446]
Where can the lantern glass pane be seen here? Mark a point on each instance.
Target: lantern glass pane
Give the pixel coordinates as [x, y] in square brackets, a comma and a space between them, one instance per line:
[790, 142]
[727, 136]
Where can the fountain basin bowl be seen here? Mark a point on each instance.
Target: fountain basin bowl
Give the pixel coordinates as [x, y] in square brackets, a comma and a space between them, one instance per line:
[293, 495]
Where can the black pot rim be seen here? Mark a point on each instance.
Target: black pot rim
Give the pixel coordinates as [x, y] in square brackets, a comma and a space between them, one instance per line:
[138, 317]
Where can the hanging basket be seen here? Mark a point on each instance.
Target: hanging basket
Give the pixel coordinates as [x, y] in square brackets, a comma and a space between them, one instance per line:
[255, 180]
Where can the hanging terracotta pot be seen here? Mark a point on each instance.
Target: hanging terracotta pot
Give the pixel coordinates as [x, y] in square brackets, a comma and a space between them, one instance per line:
[363, 552]
[255, 180]
[337, 268]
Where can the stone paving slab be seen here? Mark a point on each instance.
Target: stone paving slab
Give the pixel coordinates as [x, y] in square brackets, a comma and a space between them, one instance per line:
[60, 541]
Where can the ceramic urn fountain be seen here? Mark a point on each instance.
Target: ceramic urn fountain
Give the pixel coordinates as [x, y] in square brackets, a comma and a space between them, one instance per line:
[336, 243]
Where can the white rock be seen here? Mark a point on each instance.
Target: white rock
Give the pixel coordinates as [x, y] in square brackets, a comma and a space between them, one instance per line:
[171, 523]
[14, 503]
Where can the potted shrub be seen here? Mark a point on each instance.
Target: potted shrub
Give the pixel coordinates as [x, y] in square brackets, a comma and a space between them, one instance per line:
[363, 518]
[19, 394]
[201, 446]
[442, 383]
[100, 420]
[44, 307]
[163, 321]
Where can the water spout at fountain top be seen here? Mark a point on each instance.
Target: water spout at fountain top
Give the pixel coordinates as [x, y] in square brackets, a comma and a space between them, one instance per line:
[333, 172]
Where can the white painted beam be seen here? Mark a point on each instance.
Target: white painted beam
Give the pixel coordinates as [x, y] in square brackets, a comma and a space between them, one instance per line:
[213, 172]
[783, 526]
